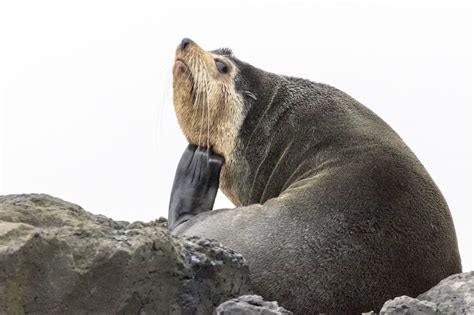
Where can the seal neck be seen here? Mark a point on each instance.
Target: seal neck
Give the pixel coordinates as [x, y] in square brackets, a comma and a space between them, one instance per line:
[277, 144]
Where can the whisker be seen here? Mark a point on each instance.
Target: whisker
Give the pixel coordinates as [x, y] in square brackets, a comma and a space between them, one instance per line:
[201, 79]
[196, 94]
[208, 123]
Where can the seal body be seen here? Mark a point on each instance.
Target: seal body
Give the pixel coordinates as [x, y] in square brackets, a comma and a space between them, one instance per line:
[335, 214]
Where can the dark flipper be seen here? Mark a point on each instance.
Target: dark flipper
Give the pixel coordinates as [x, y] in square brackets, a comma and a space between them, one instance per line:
[195, 184]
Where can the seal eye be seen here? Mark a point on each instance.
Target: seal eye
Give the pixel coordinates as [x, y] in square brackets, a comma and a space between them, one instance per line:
[221, 66]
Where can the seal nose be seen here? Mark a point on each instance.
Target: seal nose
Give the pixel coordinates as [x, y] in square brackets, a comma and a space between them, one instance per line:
[185, 43]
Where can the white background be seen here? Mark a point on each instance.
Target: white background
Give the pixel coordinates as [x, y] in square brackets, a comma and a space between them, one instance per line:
[85, 88]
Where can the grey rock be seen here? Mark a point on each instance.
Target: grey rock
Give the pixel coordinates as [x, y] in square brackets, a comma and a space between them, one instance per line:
[57, 258]
[250, 305]
[453, 295]
[405, 305]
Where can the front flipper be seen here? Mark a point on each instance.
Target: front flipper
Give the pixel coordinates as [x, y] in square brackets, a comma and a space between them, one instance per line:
[195, 184]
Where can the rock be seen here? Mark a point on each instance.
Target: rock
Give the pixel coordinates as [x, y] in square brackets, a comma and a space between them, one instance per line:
[453, 295]
[56, 258]
[250, 305]
[409, 306]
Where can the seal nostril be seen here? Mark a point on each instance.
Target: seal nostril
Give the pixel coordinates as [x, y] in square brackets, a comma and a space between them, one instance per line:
[185, 43]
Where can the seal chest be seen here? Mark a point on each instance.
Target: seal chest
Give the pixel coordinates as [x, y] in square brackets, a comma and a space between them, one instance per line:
[335, 213]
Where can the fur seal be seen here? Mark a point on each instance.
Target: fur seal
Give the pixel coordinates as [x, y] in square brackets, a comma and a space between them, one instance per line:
[335, 214]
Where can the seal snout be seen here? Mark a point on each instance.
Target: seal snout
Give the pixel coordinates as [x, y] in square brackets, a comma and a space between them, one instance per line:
[180, 67]
[184, 49]
[186, 42]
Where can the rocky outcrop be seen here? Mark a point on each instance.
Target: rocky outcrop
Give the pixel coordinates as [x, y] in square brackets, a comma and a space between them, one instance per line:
[407, 305]
[453, 295]
[250, 305]
[56, 258]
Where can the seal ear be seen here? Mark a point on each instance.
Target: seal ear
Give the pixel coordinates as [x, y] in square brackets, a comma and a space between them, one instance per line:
[249, 94]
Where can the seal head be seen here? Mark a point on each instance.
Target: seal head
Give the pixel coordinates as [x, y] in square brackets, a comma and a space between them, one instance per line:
[208, 108]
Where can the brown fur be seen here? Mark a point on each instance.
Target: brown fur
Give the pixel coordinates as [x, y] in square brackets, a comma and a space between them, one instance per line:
[208, 109]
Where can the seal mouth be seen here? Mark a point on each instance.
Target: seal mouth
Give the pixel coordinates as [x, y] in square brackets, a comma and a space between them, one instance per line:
[182, 68]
